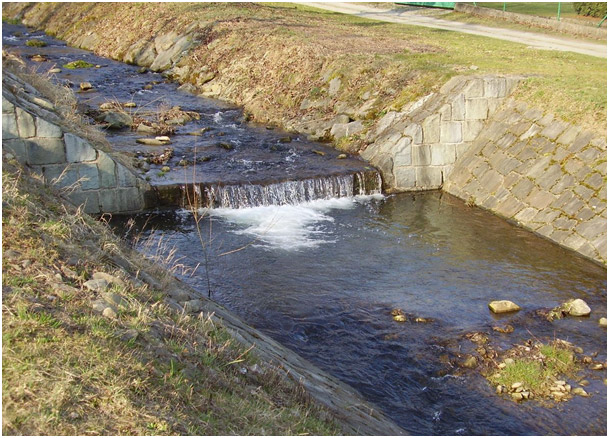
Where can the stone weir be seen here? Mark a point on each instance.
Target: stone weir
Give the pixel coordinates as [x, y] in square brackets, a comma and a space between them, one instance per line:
[215, 195]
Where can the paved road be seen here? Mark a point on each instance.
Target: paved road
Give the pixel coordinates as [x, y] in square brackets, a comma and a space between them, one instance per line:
[414, 17]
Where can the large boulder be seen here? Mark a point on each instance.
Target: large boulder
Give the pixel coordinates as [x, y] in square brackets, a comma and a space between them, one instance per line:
[577, 307]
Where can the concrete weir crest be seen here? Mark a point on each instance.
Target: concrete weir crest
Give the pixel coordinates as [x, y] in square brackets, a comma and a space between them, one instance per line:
[416, 148]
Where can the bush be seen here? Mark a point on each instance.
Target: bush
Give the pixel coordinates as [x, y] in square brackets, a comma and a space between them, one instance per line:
[591, 9]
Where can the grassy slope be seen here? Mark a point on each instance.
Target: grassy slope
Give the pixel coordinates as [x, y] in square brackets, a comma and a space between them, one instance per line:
[68, 370]
[270, 57]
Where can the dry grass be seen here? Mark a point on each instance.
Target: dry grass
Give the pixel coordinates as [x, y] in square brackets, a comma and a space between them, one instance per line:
[68, 370]
[270, 57]
[61, 97]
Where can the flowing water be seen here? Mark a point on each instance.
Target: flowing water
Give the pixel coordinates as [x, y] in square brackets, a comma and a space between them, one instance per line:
[320, 270]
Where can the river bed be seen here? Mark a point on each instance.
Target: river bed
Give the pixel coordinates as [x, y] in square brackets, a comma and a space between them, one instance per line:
[323, 276]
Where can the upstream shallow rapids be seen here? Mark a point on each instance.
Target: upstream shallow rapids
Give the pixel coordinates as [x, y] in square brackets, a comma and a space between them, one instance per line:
[322, 275]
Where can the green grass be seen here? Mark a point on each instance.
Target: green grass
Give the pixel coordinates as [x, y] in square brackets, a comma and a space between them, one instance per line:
[36, 43]
[540, 9]
[538, 369]
[78, 64]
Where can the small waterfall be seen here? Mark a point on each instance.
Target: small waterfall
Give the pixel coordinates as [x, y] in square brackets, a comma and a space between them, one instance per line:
[288, 192]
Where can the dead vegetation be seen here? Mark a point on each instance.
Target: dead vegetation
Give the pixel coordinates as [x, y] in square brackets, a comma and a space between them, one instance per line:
[147, 370]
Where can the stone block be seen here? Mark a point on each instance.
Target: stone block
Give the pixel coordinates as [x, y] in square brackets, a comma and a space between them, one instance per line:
[573, 206]
[78, 149]
[334, 86]
[596, 181]
[560, 236]
[461, 149]
[403, 153]
[60, 175]
[471, 129]
[46, 129]
[550, 176]
[553, 130]
[574, 241]
[421, 155]
[415, 132]
[532, 114]
[531, 132]
[523, 188]
[491, 181]
[9, 127]
[458, 108]
[540, 199]
[494, 87]
[563, 199]
[7, 107]
[89, 201]
[88, 176]
[476, 109]
[580, 142]
[45, 151]
[126, 178]
[25, 123]
[429, 177]
[17, 148]
[451, 132]
[452, 84]
[405, 177]
[108, 200]
[526, 215]
[446, 113]
[584, 192]
[569, 135]
[510, 207]
[585, 214]
[107, 170]
[590, 154]
[573, 165]
[474, 88]
[443, 154]
[129, 200]
[431, 129]
[546, 216]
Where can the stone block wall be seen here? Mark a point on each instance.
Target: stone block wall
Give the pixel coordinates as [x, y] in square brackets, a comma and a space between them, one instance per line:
[416, 148]
[544, 174]
[32, 132]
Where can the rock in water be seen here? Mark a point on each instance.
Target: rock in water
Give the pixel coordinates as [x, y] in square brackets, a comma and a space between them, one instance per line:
[577, 307]
[602, 322]
[84, 86]
[118, 120]
[470, 362]
[503, 306]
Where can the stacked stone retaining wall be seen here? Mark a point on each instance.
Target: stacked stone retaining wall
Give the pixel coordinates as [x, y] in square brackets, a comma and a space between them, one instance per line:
[32, 132]
[416, 148]
[542, 173]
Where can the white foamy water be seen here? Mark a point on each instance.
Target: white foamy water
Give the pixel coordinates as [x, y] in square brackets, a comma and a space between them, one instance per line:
[289, 227]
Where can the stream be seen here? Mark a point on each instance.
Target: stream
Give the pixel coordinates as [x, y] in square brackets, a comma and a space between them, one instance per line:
[321, 274]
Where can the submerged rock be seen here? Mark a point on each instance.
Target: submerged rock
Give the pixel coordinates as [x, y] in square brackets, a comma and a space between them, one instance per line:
[503, 306]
